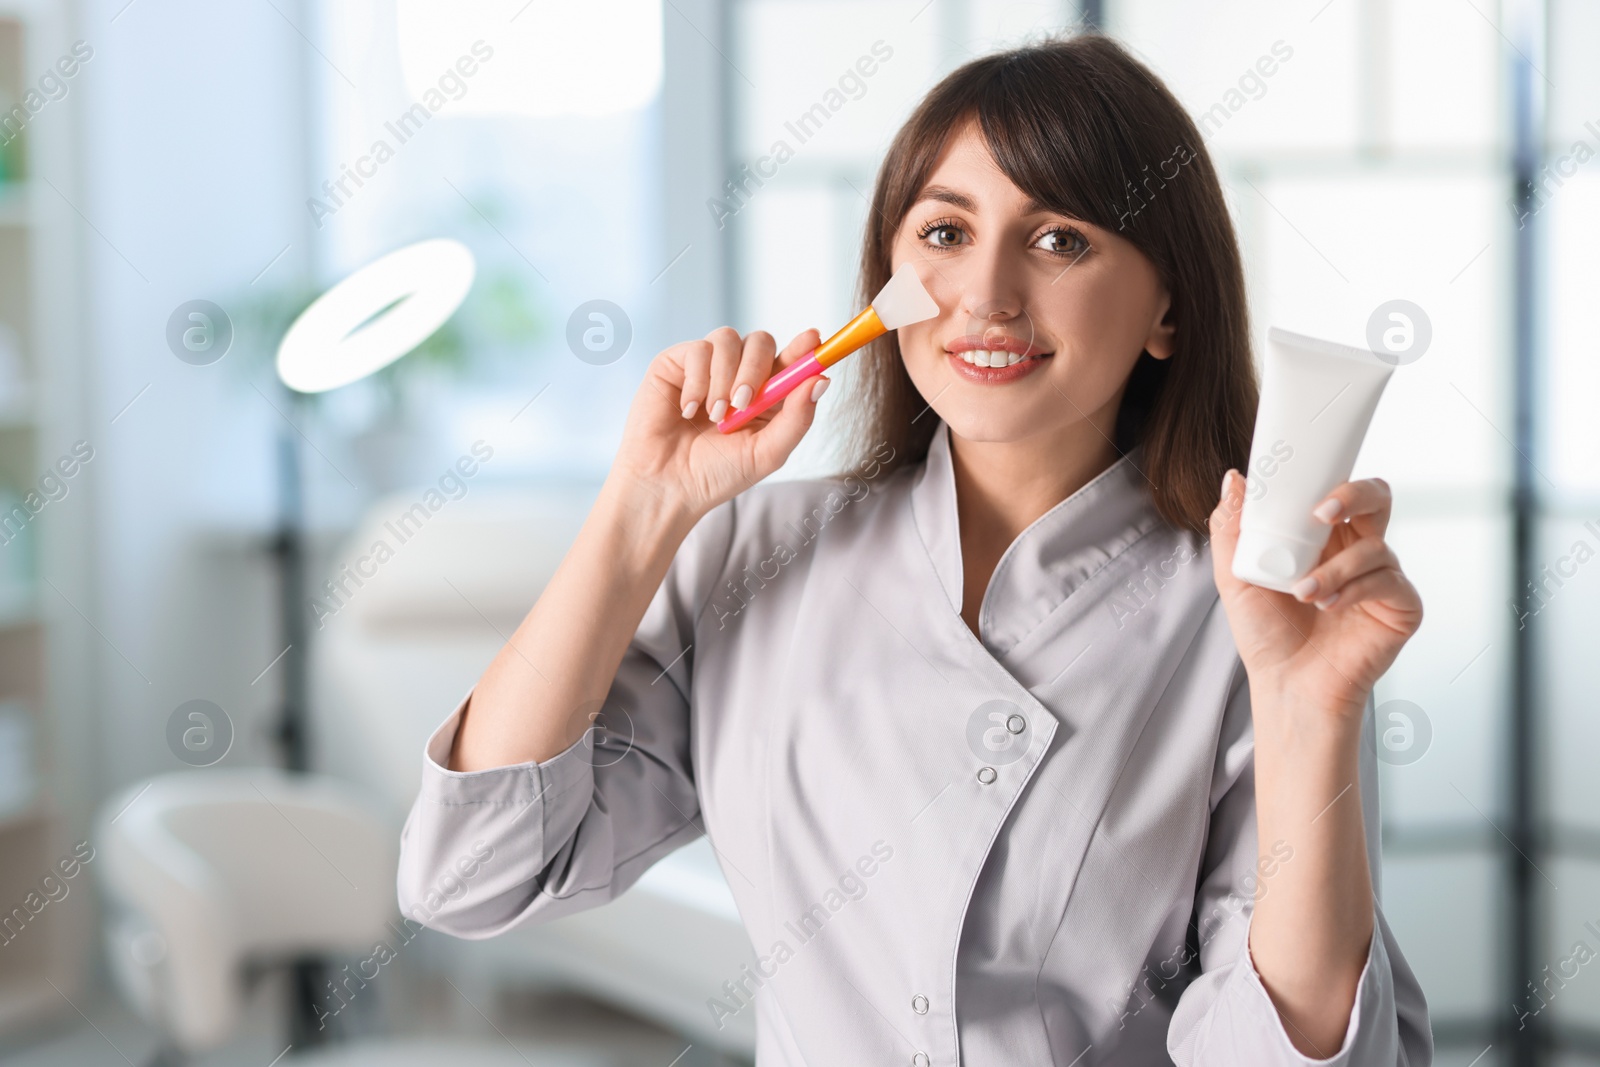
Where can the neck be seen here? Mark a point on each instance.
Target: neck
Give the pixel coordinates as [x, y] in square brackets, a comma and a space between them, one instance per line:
[1003, 486]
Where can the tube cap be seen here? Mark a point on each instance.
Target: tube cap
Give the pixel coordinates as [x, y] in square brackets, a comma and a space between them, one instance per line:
[1272, 560]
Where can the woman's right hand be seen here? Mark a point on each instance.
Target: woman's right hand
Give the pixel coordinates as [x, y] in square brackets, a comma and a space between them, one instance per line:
[543, 690]
[671, 444]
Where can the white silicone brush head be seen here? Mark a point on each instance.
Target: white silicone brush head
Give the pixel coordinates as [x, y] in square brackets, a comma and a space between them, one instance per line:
[904, 300]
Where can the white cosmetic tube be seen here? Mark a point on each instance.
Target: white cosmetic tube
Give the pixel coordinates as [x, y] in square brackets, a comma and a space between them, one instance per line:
[1317, 399]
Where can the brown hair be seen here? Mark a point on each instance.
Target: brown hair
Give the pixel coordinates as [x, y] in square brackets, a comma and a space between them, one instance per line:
[1080, 125]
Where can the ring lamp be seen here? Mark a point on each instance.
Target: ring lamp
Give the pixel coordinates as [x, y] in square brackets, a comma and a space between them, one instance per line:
[375, 316]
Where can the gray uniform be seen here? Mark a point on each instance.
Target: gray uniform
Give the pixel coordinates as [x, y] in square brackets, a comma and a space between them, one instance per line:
[1034, 848]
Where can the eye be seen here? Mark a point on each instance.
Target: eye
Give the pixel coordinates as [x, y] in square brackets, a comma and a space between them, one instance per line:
[1062, 241]
[945, 233]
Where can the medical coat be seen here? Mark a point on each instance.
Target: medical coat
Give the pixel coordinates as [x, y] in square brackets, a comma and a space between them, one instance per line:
[1035, 845]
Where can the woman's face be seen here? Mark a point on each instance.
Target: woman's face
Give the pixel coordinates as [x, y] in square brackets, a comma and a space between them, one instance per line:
[1076, 302]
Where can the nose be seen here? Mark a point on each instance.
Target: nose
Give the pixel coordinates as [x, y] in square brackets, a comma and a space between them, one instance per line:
[995, 315]
[990, 297]
[998, 316]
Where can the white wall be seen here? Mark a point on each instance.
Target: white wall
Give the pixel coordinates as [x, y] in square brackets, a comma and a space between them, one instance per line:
[192, 164]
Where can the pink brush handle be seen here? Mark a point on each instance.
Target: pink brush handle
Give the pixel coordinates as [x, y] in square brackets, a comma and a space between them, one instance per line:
[776, 388]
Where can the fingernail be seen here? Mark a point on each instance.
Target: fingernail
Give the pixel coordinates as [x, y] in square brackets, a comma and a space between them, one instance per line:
[1328, 510]
[818, 389]
[688, 409]
[741, 396]
[1327, 602]
[1227, 481]
[718, 409]
[1305, 588]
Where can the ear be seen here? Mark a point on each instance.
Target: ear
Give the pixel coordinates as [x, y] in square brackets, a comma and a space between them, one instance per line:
[1163, 331]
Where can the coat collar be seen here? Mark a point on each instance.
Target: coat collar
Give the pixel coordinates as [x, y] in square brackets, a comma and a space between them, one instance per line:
[1052, 557]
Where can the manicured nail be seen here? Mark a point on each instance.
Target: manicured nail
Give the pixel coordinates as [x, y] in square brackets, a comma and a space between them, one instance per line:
[718, 409]
[1305, 588]
[1327, 602]
[1328, 510]
[818, 389]
[1227, 481]
[689, 408]
[741, 395]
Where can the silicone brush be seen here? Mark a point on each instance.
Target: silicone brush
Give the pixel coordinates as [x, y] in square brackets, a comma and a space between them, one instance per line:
[902, 302]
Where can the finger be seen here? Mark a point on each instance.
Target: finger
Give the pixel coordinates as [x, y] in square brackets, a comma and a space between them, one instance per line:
[1366, 504]
[726, 350]
[696, 376]
[803, 345]
[794, 415]
[754, 365]
[1327, 579]
[1387, 586]
[1224, 524]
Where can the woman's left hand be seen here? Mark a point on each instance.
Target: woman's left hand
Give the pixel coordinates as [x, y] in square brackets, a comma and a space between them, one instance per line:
[1329, 642]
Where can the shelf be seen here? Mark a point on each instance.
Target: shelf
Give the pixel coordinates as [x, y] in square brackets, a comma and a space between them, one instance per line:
[42, 664]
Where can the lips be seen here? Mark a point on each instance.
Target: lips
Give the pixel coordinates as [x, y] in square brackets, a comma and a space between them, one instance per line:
[994, 356]
[1015, 366]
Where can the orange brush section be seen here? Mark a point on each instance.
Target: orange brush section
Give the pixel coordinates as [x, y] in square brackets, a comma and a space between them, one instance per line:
[855, 333]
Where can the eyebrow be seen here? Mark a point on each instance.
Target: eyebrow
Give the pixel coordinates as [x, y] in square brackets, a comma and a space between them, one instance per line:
[946, 195]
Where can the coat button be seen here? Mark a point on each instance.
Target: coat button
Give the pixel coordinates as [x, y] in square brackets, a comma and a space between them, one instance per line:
[1016, 724]
[919, 1004]
[986, 775]
[920, 1060]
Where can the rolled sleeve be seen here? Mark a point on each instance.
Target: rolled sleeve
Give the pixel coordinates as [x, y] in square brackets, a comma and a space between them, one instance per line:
[1246, 1027]
[484, 851]
[1226, 1016]
[475, 846]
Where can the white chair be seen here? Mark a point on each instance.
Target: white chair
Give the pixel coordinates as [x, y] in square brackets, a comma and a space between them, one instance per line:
[402, 649]
[210, 874]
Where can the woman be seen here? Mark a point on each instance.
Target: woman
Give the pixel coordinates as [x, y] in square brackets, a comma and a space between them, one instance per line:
[1002, 764]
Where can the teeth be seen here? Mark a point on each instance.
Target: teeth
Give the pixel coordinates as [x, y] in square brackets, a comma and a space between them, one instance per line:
[982, 357]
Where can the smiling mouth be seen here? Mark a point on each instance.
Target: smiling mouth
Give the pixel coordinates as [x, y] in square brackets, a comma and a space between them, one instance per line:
[990, 357]
[996, 349]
